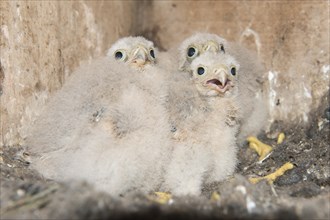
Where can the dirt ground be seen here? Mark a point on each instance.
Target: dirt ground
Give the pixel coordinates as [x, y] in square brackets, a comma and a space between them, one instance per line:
[301, 193]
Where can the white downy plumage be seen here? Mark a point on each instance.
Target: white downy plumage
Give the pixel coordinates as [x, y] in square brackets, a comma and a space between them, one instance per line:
[204, 122]
[108, 124]
[252, 96]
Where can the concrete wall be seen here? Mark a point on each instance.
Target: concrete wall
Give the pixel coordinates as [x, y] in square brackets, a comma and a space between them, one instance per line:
[291, 38]
[42, 42]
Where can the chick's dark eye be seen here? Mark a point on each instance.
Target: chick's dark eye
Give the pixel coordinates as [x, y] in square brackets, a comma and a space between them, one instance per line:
[233, 71]
[118, 55]
[191, 52]
[152, 53]
[200, 70]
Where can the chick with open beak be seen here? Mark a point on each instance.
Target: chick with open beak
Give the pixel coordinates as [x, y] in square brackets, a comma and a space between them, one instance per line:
[215, 74]
[206, 123]
[136, 51]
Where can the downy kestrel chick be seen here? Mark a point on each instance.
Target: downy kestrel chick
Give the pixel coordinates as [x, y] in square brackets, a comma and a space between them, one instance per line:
[204, 136]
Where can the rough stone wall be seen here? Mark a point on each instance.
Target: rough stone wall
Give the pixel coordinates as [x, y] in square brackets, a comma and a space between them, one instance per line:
[291, 38]
[41, 43]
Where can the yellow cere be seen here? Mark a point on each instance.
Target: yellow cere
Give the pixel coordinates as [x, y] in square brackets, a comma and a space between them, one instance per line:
[280, 138]
[262, 149]
[272, 177]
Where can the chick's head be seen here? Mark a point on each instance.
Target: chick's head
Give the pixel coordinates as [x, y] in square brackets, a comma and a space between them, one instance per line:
[198, 44]
[215, 75]
[136, 51]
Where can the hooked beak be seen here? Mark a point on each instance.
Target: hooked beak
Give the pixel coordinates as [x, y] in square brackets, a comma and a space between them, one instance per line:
[140, 57]
[220, 82]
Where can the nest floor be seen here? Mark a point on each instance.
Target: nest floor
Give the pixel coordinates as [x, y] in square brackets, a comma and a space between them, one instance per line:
[300, 193]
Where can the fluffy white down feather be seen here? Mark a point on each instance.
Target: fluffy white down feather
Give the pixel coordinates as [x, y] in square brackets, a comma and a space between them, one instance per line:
[125, 129]
[252, 93]
[107, 125]
[204, 133]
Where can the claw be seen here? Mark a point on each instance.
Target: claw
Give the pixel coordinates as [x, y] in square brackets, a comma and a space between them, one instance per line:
[262, 149]
[272, 177]
[161, 197]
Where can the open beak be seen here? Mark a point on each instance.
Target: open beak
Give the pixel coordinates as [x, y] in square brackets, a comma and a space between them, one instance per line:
[220, 82]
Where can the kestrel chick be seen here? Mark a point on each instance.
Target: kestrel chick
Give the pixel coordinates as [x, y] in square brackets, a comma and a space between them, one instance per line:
[252, 96]
[106, 123]
[205, 143]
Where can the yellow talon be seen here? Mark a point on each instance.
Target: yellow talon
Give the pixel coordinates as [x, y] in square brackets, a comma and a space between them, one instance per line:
[215, 197]
[262, 149]
[280, 138]
[271, 177]
[161, 197]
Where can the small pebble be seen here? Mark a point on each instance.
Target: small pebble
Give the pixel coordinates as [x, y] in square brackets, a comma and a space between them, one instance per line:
[292, 177]
[20, 192]
[306, 190]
